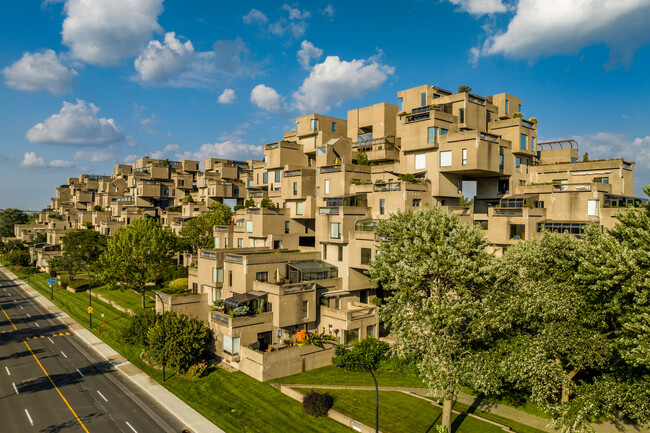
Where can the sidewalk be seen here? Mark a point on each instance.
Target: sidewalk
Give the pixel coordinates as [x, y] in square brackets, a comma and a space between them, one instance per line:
[487, 406]
[193, 420]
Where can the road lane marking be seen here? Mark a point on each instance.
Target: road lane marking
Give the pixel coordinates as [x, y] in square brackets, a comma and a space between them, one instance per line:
[36, 323]
[15, 389]
[15, 301]
[7, 368]
[50, 340]
[63, 354]
[82, 375]
[57, 388]
[21, 307]
[28, 315]
[29, 417]
[102, 395]
[12, 323]
[131, 427]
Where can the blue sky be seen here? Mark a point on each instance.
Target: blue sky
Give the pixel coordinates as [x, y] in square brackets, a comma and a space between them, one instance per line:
[87, 83]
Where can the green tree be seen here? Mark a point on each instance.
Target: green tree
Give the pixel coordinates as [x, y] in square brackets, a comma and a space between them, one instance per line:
[464, 89]
[571, 311]
[198, 233]
[267, 203]
[434, 269]
[13, 244]
[9, 218]
[369, 352]
[137, 255]
[464, 201]
[185, 343]
[249, 203]
[17, 258]
[81, 250]
[362, 158]
[585, 157]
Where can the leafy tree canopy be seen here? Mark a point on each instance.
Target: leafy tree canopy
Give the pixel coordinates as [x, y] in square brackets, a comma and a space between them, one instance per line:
[9, 218]
[198, 233]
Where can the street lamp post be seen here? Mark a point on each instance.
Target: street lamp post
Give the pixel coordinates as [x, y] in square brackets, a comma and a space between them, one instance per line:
[162, 303]
[376, 390]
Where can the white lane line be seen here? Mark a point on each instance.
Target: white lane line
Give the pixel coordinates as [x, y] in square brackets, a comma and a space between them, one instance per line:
[15, 300]
[7, 368]
[29, 417]
[15, 389]
[50, 340]
[102, 395]
[130, 426]
[28, 315]
[82, 375]
[21, 307]
[36, 323]
[63, 354]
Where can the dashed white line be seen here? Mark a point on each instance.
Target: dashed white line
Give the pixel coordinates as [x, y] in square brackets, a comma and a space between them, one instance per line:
[131, 427]
[102, 395]
[50, 340]
[15, 300]
[36, 323]
[29, 417]
[15, 389]
[7, 368]
[28, 315]
[63, 354]
[82, 375]
[21, 307]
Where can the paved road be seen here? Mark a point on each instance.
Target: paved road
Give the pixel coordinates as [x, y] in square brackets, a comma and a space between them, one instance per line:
[50, 382]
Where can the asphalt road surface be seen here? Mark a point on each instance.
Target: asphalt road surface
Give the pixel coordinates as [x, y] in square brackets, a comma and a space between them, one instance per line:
[51, 381]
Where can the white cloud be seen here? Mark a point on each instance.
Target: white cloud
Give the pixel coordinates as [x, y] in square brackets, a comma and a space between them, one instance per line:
[266, 98]
[130, 159]
[547, 27]
[328, 11]
[255, 17]
[158, 63]
[104, 32]
[76, 125]
[232, 148]
[40, 71]
[307, 52]
[480, 7]
[227, 97]
[98, 155]
[166, 152]
[33, 161]
[335, 80]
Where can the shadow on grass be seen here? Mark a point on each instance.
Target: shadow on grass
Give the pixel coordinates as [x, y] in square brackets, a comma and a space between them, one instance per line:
[433, 424]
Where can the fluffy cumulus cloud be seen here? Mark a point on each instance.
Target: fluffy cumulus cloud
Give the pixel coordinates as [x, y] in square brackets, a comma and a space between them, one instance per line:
[335, 80]
[159, 63]
[480, 7]
[293, 24]
[328, 11]
[227, 97]
[233, 148]
[307, 52]
[546, 27]
[76, 125]
[266, 98]
[104, 32]
[96, 155]
[40, 71]
[33, 161]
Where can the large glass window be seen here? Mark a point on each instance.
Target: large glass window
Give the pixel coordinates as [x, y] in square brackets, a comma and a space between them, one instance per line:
[443, 131]
[420, 161]
[432, 132]
[333, 126]
[265, 177]
[217, 275]
[295, 188]
[445, 158]
[423, 99]
[278, 173]
[314, 124]
[327, 186]
[523, 141]
[335, 230]
[249, 226]
[321, 151]
[464, 156]
[592, 208]
[299, 210]
[231, 345]
[365, 256]
[518, 165]
[461, 115]
[400, 104]
[506, 106]
[382, 206]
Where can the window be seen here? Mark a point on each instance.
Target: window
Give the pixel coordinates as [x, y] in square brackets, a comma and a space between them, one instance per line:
[461, 115]
[365, 256]
[216, 294]
[217, 275]
[432, 133]
[420, 161]
[370, 330]
[299, 208]
[250, 182]
[532, 143]
[601, 179]
[501, 159]
[327, 186]
[506, 106]
[423, 99]
[518, 165]
[333, 126]
[240, 243]
[230, 345]
[321, 151]
[400, 104]
[286, 227]
[324, 251]
[445, 158]
[249, 226]
[314, 124]
[443, 131]
[519, 108]
[464, 156]
[482, 224]
[335, 230]
[295, 188]
[305, 309]
[340, 253]
[523, 141]
[459, 185]
[382, 206]
[350, 336]
[265, 177]
[266, 159]
[262, 276]
[230, 276]
[417, 202]
[297, 127]
[503, 186]
[278, 173]
[216, 242]
[592, 208]
[562, 184]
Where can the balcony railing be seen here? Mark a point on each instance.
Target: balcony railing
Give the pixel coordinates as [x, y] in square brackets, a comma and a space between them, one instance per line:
[253, 211]
[528, 124]
[380, 143]
[329, 210]
[508, 212]
[331, 169]
[292, 173]
[490, 137]
[394, 186]
[475, 100]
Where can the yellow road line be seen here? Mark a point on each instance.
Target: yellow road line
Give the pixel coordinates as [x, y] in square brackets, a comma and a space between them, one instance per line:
[12, 323]
[57, 389]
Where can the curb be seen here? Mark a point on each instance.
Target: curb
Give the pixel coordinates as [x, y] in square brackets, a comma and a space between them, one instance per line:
[196, 422]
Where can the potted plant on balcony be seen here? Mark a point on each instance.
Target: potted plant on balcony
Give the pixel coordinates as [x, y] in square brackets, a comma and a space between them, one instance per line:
[464, 89]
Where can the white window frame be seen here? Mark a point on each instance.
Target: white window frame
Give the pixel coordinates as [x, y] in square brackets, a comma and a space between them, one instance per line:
[445, 158]
[420, 162]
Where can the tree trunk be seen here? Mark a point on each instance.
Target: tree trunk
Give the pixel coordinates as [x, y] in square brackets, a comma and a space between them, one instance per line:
[565, 386]
[447, 405]
[142, 299]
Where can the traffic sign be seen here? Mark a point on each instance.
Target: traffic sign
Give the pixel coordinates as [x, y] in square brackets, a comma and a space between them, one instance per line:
[90, 310]
[51, 280]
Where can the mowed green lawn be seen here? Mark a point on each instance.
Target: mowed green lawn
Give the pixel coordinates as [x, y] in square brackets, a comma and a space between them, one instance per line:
[233, 401]
[331, 375]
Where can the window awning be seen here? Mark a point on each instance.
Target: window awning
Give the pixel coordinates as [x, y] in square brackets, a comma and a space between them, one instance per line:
[240, 298]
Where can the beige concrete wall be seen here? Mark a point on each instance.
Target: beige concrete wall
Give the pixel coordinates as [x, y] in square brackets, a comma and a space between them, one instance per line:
[285, 362]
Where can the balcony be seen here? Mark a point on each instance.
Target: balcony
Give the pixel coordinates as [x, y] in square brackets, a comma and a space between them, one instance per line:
[225, 319]
[393, 186]
[377, 149]
[332, 210]
[330, 169]
[354, 313]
